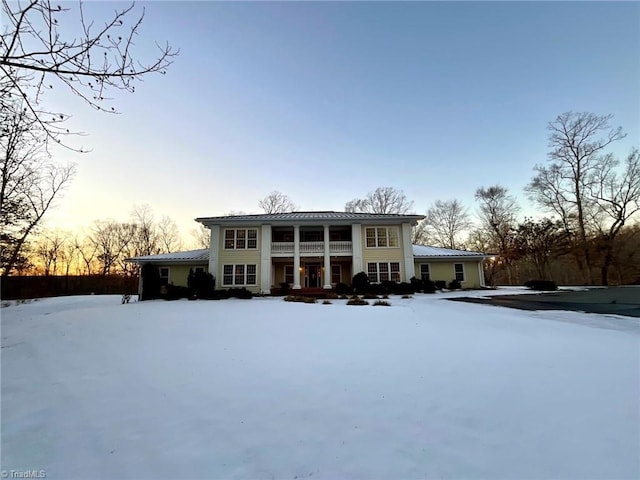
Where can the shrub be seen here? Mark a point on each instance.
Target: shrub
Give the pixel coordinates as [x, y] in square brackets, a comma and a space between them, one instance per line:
[405, 288]
[406, 296]
[150, 282]
[201, 284]
[299, 299]
[343, 288]
[241, 293]
[429, 287]
[175, 292]
[360, 282]
[343, 297]
[331, 295]
[440, 284]
[416, 284]
[381, 303]
[369, 296]
[398, 288]
[284, 288]
[357, 301]
[455, 285]
[326, 302]
[543, 285]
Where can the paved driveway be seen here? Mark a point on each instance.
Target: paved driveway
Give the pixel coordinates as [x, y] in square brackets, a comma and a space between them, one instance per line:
[613, 300]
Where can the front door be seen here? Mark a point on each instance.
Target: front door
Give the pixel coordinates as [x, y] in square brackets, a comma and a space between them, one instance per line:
[312, 279]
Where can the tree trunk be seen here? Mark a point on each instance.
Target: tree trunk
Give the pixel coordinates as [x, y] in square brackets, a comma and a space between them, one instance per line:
[608, 258]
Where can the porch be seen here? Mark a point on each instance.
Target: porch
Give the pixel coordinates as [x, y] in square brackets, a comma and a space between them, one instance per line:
[312, 273]
[311, 240]
[311, 248]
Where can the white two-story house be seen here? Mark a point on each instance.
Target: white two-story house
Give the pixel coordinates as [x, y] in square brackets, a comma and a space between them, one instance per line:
[315, 250]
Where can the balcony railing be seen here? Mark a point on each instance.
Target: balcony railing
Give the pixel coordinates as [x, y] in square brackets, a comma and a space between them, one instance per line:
[307, 248]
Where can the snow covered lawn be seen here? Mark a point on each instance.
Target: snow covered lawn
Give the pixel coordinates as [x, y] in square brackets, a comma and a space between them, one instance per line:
[264, 389]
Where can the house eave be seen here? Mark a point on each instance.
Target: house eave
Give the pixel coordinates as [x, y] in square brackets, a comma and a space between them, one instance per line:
[293, 219]
[446, 258]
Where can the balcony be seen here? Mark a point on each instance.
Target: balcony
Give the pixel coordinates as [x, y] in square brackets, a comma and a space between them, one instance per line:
[285, 249]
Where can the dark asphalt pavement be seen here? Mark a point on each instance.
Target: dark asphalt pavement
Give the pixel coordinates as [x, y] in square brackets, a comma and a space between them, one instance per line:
[612, 300]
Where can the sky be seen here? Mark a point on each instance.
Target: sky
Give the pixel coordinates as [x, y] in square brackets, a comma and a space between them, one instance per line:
[325, 101]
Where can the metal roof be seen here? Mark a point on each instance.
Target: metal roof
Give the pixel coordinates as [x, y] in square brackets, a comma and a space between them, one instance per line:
[424, 251]
[310, 217]
[191, 256]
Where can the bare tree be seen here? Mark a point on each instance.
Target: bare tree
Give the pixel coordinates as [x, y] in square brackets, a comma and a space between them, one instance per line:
[540, 241]
[37, 54]
[70, 256]
[87, 250]
[419, 234]
[277, 202]
[49, 249]
[30, 181]
[168, 235]
[498, 212]
[446, 221]
[144, 236]
[201, 236]
[481, 240]
[385, 200]
[618, 199]
[111, 240]
[577, 142]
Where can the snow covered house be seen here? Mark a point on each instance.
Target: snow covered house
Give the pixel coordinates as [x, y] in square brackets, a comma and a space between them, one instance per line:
[315, 250]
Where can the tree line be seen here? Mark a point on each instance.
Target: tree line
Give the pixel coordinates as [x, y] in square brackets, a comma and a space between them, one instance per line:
[589, 234]
[590, 198]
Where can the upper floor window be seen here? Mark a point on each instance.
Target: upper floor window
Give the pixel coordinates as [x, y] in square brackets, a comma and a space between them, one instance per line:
[240, 238]
[381, 237]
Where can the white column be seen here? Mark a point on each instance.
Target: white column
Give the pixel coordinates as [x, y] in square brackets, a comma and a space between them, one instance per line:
[296, 257]
[214, 252]
[481, 272]
[327, 259]
[140, 286]
[407, 247]
[265, 256]
[356, 245]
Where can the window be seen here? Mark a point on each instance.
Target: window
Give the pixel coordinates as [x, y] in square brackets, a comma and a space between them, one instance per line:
[425, 275]
[336, 274]
[240, 238]
[458, 268]
[164, 275]
[383, 271]
[288, 274]
[380, 237]
[238, 275]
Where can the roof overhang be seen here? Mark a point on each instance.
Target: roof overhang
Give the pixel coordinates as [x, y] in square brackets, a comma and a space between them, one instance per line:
[449, 258]
[310, 218]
